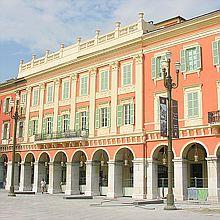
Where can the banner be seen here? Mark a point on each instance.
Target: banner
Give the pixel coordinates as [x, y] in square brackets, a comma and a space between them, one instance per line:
[175, 119]
[163, 116]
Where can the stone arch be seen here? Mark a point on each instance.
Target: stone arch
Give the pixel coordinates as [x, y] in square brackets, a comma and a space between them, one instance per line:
[44, 154]
[189, 144]
[99, 151]
[59, 155]
[124, 147]
[28, 155]
[120, 153]
[158, 146]
[77, 152]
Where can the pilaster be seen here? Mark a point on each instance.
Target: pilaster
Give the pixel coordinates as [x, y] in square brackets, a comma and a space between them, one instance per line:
[92, 102]
[73, 101]
[56, 104]
[41, 108]
[8, 178]
[139, 93]
[139, 179]
[114, 92]
[27, 114]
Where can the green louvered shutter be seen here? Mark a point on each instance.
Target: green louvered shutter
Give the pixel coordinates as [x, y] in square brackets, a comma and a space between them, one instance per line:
[183, 60]
[109, 116]
[87, 120]
[198, 56]
[119, 115]
[97, 118]
[36, 127]
[216, 52]
[153, 67]
[44, 127]
[59, 124]
[51, 125]
[77, 121]
[132, 113]
[30, 131]
[68, 122]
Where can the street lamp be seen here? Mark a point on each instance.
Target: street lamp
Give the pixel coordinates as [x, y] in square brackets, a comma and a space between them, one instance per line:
[169, 85]
[15, 117]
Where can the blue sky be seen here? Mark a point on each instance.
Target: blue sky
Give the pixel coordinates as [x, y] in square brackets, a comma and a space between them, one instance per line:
[33, 26]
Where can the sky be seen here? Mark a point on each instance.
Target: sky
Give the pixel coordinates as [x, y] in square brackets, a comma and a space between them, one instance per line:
[33, 26]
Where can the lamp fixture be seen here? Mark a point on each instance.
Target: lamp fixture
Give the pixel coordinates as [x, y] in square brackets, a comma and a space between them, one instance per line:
[164, 157]
[81, 163]
[196, 156]
[102, 160]
[126, 158]
[46, 164]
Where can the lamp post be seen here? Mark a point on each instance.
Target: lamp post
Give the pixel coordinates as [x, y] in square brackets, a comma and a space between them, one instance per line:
[15, 117]
[169, 85]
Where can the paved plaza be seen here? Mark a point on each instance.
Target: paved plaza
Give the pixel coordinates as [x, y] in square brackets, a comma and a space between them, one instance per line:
[45, 207]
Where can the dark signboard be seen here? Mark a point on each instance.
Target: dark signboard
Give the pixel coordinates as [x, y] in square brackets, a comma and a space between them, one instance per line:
[175, 119]
[163, 116]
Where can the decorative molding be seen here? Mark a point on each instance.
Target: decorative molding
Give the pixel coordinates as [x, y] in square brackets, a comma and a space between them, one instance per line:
[126, 89]
[103, 94]
[139, 59]
[64, 102]
[74, 76]
[82, 98]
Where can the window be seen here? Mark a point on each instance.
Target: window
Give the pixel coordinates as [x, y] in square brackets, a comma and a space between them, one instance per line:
[35, 97]
[216, 52]
[50, 93]
[125, 114]
[193, 104]
[5, 131]
[66, 123]
[190, 59]
[20, 129]
[156, 68]
[49, 125]
[24, 98]
[33, 127]
[6, 105]
[103, 117]
[83, 120]
[66, 88]
[126, 74]
[104, 79]
[84, 85]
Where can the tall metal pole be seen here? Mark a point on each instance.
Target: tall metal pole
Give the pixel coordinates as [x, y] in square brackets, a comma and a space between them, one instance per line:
[15, 117]
[169, 86]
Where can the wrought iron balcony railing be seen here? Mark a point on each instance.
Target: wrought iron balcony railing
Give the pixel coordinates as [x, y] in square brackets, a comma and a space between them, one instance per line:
[214, 117]
[61, 135]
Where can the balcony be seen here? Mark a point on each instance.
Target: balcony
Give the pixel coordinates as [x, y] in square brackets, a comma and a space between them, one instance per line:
[68, 135]
[214, 121]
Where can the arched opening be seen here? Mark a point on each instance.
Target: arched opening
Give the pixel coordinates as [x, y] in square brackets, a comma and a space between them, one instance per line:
[161, 170]
[79, 171]
[197, 175]
[28, 180]
[124, 170]
[17, 171]
[43, 169]
[100, 161]
[3, 170]
[59, 176]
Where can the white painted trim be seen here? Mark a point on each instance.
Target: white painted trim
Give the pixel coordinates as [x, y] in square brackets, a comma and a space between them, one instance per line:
[122, 77]
[62, 84]
[47, 88]
[108, 76]
[80, 84]
[218, 93]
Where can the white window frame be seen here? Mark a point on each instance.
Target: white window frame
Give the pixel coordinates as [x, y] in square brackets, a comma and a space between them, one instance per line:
[65, 122]
[6, 134]
[100, 80]
[6, 108]
[24, 98]
[156, 109]
[83, 120]
[104, 117]
[35, 91]
[49, 85]
[34, 126]
[122, 74]
[127, 115]
[191, 121]
[87, 83]
[49, 126]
